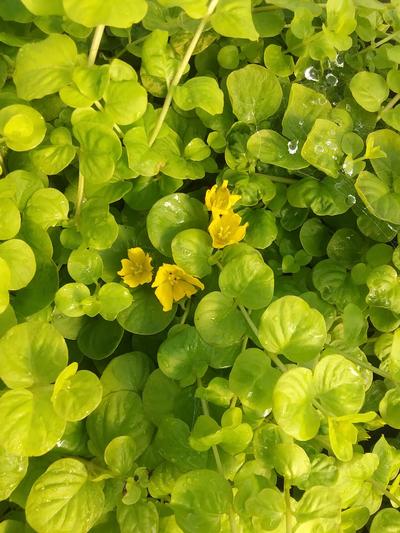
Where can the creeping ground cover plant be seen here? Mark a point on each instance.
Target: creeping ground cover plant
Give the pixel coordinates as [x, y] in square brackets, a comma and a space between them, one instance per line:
[199, 266]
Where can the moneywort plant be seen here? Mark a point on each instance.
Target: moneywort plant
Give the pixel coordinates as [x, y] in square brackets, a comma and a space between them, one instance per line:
[199, 267]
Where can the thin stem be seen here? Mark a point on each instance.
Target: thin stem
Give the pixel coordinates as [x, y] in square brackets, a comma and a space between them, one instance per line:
[372, 46]
[254, 329]
[98, 34]
[381, 488]
[181, 69]
[278, 179]
[388, 106]
[79, 195]
[185, 313]
[206, 411]
[288, 510]
[372, 368]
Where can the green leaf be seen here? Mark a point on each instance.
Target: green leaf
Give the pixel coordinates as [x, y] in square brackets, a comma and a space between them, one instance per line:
[270, 147]
[74, 300]
[31, 353]
[142, 516]
[218, 320]
[145, 315]
[279, 63]
[183, 356]
[121, 14]
[253, 379]
[85, 266]
[322, 148]
[262, 230]
[47, 207]
[126, 101]
[291, 327]
[99, 153]
[64, 499]
[99, 338]
[369, 90]
[339, 385]
[233, 18]
[13, 470]
[389, 407]
[386, 521]
[324, 197]
[97, 225]
[76, 394]
[248, 280]
[171, 215]
[119, 455]
[291, 461]
[194, 8]
[318, 502]
[113, 298]
[120, 413]
[199, 498]
[22, 127]
[200, 92]
[44, 7]
[267, 508]
[254, 92]
[126, 372]
[314, 237]
[30, 426]
[44, 67]
[342, 437]
[10, 219]
[304, 107]
[191, 250]
[292, 404]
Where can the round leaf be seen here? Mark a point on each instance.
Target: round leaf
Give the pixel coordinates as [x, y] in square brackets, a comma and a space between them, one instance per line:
[291, 327]
[119, 455]
[389, 408]
[292, 404]
[126, 372]
[171, 215]
[126, 101]
[218, 320]
[85, 266]
[29, 424]
[249, 280]
[64, 499]
[369, 90]
[386, 521]
[191, 250]
[99, 338]
[31, 353]
[76, 394]
[13, 470]
[10, 219]
[47, 207]
[145, 315]
[121, 13]
[21, 261]
[22, 127]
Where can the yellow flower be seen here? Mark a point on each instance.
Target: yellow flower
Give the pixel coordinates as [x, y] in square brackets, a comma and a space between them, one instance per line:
[136, 270]
[219, 200]
[226, 229]
[173, 284]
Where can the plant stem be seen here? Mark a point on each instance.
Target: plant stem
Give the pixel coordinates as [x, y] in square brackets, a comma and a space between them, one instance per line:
[278, 179]
[98, 34]
[94, 48]
[185, 313]
[181, 69]
[288, 510]
[381, 488]
[253, 328]
[372, 368]
[206, 411]
[388, 106]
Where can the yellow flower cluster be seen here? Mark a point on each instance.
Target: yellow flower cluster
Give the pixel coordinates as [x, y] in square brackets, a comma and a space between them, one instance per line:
[171, 282]
[225, 226]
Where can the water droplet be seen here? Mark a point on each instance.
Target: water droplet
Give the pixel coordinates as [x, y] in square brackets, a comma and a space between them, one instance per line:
[318, 148]
[331, 79]
[339, 60]
[293, 146]
[351, 199]
[311, 74]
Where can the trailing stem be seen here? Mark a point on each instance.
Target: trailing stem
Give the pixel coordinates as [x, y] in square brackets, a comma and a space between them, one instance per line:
[94, 48]
[206, 411]
[181, 69]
